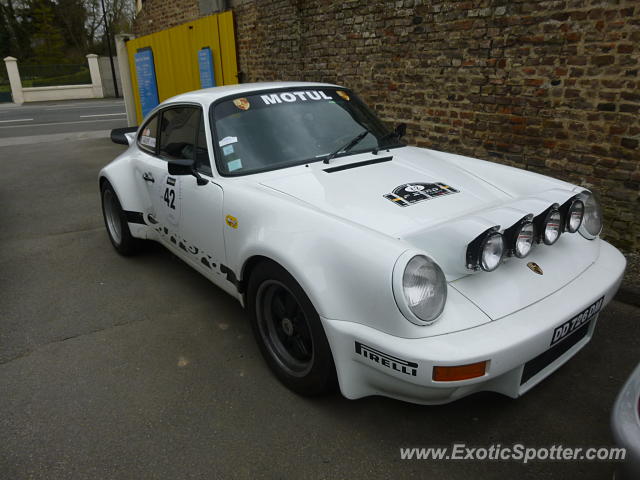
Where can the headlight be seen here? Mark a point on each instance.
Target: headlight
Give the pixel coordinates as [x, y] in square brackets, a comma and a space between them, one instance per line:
[486, 250]
[492, 251]
[574, 217]
[551, 227]
[592, 219]
[420, 289]
[523, 240]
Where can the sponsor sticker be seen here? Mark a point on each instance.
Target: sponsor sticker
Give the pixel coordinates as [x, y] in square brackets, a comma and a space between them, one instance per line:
[148, 141]
[231, 221]
[410, 193]
[234, 165]
[385, 360]
[228, 141]
[297, 96]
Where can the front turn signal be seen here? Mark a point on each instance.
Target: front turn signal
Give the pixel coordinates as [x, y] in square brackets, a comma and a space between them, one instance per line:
[459, 372]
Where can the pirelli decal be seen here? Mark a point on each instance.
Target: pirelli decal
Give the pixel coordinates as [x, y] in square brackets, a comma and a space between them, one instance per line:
[388, 361]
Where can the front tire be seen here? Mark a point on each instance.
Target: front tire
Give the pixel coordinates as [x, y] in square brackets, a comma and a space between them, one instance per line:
[115, 220]
[289, 331]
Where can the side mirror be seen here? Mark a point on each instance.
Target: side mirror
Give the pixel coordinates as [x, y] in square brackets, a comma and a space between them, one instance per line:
[119, 135]
[181, 167]
[401, 130]
[185, 167]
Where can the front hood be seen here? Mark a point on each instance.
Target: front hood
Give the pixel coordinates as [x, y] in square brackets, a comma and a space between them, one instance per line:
[434, 201]
[376, 196]
[438, 203]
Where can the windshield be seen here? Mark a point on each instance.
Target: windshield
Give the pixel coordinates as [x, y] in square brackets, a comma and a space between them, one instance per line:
[277, 129]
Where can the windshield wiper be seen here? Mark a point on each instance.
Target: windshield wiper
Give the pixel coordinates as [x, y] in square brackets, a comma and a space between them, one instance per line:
[352, 143]
[396, 135]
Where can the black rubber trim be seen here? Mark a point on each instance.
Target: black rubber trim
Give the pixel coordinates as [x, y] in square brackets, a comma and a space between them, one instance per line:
[542, 361]
[358, 164]
[135, 217]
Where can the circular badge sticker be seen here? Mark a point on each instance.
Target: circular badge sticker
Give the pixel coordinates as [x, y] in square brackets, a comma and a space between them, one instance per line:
[242, 103]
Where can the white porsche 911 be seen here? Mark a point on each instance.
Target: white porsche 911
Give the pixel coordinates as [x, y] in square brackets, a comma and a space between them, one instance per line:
[389, 269]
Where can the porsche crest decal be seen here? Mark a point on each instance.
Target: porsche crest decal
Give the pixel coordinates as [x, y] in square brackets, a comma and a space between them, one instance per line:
[242, 103]
[411, 193]
[534, 267]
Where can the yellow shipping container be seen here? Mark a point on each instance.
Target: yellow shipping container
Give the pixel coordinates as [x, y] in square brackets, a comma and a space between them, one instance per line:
[175, 54]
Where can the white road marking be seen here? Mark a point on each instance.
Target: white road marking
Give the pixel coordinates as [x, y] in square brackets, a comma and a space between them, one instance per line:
[63, 123]
[17, 120]
[81, 106]
[103, 115]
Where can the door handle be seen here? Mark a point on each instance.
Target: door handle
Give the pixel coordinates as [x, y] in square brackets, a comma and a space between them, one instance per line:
[148, 177]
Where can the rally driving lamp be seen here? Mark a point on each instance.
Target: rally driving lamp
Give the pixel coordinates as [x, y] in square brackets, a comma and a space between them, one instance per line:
[574, 218]
[551, 226]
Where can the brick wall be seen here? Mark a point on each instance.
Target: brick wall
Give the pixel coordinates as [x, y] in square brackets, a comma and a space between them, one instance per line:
[160, 14]
[548, 86]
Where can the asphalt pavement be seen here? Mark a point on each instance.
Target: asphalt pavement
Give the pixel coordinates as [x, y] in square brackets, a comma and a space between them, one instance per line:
[46, 118]
[115, 367]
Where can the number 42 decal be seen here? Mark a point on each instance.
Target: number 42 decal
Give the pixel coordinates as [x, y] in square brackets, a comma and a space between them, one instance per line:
[170, 197]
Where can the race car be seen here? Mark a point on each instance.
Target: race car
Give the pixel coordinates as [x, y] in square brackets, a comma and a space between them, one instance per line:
[362, 261]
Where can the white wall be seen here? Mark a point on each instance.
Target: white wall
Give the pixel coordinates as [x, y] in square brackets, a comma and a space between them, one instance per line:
[63, 92]
[107, 78]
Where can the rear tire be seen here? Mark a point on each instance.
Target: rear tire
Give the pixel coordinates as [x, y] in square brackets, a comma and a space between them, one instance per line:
[289, 331]
[115, 220]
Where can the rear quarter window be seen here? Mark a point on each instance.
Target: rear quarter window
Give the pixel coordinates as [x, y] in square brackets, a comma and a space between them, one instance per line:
[147, 139]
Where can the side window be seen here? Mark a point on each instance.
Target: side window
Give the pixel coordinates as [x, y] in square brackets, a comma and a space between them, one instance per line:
[178, 129]
[202, 152]
[148, 135]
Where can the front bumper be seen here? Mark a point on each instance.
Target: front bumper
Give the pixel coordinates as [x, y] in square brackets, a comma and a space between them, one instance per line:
[370, 362]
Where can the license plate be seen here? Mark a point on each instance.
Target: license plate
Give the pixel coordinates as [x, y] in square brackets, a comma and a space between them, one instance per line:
[570, 326]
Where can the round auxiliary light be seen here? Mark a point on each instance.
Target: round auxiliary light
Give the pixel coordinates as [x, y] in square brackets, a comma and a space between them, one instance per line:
[524, 240]
[551, 227]
[574, 218]
[491, 251]
[592, 221]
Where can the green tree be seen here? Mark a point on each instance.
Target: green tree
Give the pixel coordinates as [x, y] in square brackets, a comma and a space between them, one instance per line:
[47, 40]
[15, 28]
[71, 17]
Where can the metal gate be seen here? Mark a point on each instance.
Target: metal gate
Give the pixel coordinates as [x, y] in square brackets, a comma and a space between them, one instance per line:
[5, 88]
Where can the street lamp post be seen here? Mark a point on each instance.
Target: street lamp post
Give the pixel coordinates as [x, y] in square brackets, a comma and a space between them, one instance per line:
[106, 31]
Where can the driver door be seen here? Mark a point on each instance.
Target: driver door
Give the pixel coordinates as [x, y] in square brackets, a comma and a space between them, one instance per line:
[152, 174]
[192, 213]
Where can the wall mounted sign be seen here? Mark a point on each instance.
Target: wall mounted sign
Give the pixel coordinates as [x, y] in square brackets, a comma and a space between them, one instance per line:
[205, 62]
[146, 77]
